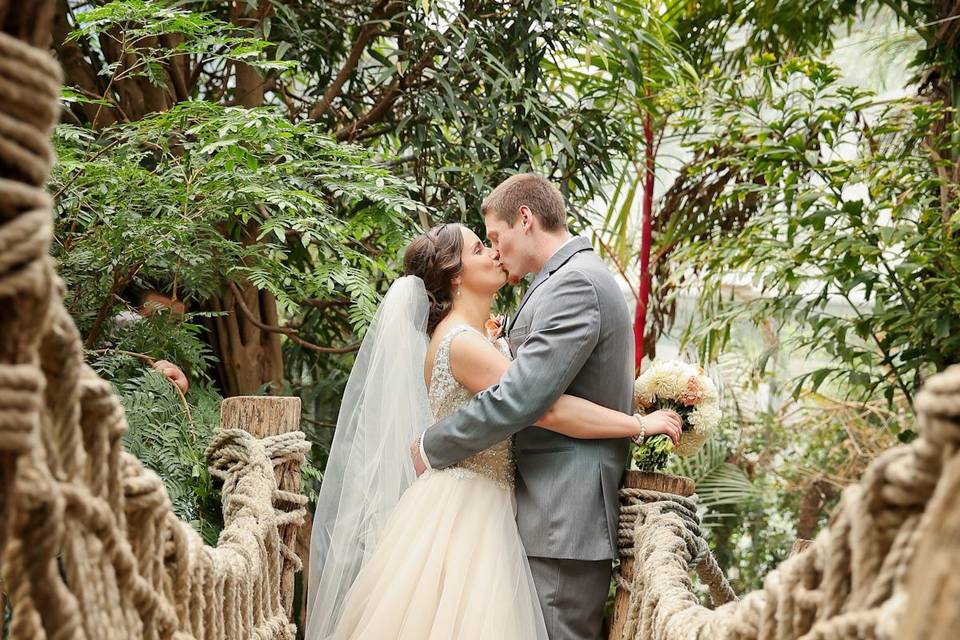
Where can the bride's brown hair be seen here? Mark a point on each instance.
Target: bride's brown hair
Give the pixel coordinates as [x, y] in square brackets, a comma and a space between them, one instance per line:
[434, 257]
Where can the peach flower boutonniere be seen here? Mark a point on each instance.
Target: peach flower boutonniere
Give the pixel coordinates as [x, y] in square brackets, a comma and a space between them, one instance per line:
[494, 327]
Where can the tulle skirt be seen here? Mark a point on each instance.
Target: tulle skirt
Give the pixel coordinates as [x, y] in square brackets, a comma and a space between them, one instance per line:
[449, 566]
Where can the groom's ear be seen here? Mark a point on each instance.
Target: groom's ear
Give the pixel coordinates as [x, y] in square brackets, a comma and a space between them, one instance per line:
[526, 217]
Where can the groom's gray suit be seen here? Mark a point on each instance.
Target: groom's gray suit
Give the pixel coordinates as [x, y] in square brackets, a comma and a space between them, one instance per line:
[571, 334]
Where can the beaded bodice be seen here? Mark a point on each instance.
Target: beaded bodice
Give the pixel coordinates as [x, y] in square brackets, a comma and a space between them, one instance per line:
[446, 396]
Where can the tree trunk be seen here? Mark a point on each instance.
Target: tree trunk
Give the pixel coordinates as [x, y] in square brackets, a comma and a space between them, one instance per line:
[78, 72]
[304, 537]
[819, 492]
[250, 85]
[27, 20]
[248, 356]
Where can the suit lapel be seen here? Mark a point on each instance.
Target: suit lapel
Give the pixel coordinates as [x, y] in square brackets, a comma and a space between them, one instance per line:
[540, 279]
[560, 258]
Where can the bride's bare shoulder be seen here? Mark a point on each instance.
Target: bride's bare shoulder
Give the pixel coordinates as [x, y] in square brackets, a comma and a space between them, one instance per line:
[475, 362]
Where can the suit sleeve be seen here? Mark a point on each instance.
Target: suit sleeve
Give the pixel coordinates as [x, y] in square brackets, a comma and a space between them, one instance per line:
[564, 333]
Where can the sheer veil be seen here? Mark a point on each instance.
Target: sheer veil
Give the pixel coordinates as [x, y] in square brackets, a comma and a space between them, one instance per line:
[384, 408]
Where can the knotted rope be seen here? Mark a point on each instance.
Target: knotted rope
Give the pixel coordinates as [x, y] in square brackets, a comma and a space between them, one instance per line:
[857, 580]
[665, 521]
[90, 547]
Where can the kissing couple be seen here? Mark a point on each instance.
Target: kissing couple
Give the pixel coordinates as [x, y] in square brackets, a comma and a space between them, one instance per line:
[471, 486]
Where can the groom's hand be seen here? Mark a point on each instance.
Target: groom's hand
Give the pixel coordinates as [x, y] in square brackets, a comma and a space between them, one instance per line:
[418, 465]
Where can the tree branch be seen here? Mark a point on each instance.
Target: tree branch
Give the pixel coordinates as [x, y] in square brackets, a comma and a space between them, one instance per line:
[119, 282]
[368, 32]
[401, 82]
[317, 303]
[289, 332]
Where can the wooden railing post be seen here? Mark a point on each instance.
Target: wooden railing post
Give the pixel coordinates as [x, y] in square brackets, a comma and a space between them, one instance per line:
[264, 416]
[655, 482]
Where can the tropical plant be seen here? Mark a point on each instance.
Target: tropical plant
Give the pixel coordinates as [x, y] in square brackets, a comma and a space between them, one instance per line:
[171, 198]
[720, 484]
[633, 59]
[171, 442]
[264, 163]
[449, 97]
[827, 200]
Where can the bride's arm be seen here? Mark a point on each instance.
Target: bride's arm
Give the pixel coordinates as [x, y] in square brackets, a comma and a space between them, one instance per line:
[477, 364]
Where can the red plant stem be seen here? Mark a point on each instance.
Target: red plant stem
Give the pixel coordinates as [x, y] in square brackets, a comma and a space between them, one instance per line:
[640, 318]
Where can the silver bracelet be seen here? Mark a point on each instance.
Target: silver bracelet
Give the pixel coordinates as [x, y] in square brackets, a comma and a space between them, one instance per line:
[643, 427]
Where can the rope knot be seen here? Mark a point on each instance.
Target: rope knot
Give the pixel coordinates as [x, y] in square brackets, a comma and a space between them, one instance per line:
[20, 399]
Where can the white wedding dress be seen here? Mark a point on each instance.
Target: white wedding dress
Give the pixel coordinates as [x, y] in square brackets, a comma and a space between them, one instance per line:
[461, 572]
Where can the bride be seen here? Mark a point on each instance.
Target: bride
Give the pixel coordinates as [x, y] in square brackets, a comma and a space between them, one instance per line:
[437, 557]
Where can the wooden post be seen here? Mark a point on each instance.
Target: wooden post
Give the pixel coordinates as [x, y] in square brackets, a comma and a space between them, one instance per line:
[655, 482]
[263, 416]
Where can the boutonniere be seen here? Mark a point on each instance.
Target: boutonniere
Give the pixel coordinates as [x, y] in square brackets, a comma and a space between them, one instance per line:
[494, 327]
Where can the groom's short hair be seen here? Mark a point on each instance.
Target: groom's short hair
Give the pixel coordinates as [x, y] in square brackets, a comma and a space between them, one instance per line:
[532, 190]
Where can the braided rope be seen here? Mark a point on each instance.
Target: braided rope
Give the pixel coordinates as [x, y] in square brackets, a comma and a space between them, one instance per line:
[90, 547]
[645, 513]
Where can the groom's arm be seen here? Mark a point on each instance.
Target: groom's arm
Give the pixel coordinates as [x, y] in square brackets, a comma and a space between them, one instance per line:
[565, 331]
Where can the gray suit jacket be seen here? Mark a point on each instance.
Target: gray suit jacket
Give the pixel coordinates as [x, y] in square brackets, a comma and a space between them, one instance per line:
[571, 334]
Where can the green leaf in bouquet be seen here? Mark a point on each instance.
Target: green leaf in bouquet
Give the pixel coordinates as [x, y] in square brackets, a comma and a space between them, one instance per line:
[652, 456]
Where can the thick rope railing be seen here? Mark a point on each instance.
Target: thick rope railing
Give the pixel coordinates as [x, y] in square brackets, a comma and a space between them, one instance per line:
[89, 545]
[672, 520]
[862, 577]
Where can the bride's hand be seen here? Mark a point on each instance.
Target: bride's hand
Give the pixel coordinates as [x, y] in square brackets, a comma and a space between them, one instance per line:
[662, 421]
[418, 465]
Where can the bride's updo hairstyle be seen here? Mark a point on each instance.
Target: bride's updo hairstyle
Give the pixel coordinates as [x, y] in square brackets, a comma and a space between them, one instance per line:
[434, 257]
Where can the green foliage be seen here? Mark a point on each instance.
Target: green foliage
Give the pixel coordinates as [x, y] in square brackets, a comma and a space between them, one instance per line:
[654, 454]
[173, 198]
[171, 444]
[634, 60]
[170, 441]
[470, 90]
[729, 33]
[846, 234]
[151, 34]
[199, 193]
[720, 484]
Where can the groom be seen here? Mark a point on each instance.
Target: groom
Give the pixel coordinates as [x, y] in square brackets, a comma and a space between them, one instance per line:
[571, 334]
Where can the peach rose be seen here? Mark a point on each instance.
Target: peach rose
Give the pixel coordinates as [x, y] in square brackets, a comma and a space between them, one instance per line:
[692, 395]
[493, 327]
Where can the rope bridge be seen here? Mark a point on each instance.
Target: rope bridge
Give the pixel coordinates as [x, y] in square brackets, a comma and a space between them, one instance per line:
[885, 567]
[90, 546]
[91, 549]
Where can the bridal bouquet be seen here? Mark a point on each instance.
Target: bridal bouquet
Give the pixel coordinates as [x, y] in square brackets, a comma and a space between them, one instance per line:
[684, 388]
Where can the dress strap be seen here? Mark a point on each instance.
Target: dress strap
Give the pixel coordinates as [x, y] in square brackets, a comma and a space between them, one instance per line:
[444, 348]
